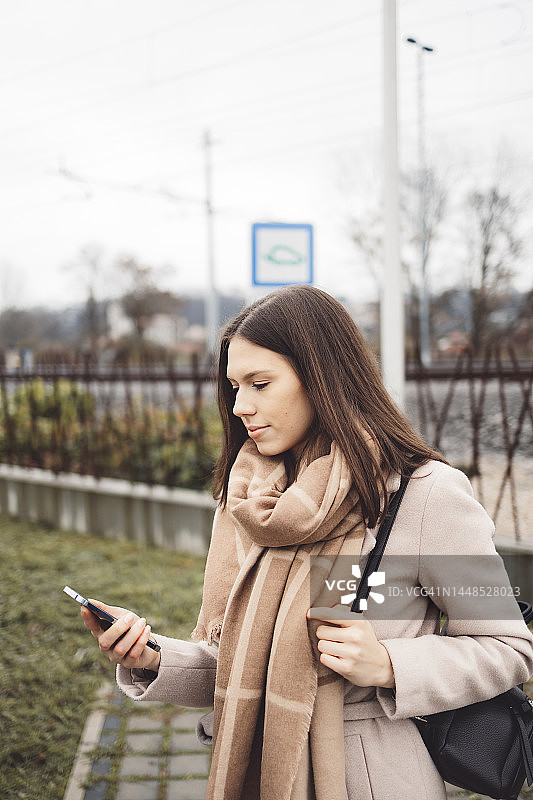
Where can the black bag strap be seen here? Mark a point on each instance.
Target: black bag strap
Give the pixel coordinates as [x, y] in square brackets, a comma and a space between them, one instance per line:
[363, 590]
[374, 559]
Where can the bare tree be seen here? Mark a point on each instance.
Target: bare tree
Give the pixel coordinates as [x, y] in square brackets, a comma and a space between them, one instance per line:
[18, 328]
[35, 328]
[494, 246]
[143, 300]
[365, 230]
[90, 269]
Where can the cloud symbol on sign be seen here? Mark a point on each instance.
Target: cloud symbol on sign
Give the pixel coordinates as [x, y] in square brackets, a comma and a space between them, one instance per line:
[284, 255]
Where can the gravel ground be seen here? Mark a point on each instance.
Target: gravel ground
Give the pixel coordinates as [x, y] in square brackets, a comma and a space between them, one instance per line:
[457, 430]
[456, 445]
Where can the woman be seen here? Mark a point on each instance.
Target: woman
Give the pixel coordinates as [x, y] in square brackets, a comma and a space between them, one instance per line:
[308, 704]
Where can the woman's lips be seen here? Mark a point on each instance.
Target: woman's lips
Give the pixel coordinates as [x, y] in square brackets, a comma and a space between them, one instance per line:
[254, 432]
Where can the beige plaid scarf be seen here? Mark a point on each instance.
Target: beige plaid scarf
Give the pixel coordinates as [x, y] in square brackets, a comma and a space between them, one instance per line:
[278, 726]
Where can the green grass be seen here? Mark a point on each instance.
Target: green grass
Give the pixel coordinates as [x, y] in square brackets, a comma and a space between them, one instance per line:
[50, 666]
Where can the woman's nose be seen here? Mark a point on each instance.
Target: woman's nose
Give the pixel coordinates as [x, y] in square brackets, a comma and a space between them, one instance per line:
[243, 406]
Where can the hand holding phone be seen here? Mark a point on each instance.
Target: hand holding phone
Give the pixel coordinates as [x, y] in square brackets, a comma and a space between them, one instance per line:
[121, 635]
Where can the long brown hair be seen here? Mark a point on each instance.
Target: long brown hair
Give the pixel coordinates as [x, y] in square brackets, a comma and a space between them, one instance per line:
[324, 346]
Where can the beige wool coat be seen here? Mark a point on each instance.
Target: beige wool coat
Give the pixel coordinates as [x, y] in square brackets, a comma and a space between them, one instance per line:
[385, 756]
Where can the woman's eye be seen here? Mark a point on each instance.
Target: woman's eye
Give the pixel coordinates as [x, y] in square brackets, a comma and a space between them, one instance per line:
[260, 386]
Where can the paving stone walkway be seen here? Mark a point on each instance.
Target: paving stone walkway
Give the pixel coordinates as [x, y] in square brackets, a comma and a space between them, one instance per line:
[145, 751]
[149, 751]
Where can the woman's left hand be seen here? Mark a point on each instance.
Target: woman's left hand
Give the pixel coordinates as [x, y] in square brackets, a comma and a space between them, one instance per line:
[350, 647]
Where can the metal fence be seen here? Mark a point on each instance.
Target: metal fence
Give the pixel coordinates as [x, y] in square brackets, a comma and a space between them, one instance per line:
[159, 425]
[151, 425]
[479, 414]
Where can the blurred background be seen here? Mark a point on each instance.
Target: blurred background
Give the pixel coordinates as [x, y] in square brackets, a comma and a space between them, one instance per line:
[139, 145]
[124, 122]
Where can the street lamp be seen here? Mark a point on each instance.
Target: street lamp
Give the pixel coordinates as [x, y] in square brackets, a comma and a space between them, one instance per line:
[425, 344]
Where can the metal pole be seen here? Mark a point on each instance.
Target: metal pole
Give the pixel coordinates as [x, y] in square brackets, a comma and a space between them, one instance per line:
[212, 296]
[425, 346]
[392, 310]
[423, 295]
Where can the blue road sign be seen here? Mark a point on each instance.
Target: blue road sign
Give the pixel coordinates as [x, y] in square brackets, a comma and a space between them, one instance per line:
[282, 253]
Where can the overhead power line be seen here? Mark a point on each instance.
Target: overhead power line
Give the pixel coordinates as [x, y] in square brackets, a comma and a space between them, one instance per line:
[364, 80]
[249, 55]
[170, 141]
[111, 46]
[204, 69]
[162, 192]
[166, 29]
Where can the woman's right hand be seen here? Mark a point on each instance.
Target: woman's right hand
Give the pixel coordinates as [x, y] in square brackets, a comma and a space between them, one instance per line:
[131, 651]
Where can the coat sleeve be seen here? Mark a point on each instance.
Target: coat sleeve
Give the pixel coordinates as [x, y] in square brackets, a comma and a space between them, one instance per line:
[186, 675]
[479, 657]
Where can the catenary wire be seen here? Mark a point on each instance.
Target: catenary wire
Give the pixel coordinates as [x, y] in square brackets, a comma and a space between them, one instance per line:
[365, 80]
[228, 61]
[112, 46]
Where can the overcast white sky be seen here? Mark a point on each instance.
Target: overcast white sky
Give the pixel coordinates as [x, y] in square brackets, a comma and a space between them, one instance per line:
[119, 93]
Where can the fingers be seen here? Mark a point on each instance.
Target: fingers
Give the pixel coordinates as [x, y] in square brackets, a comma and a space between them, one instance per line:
[100, 605]
[336, 634]
[115, 611]
[131, 643]
[124, 642]
[333, 663]
[91, 622]
[345, 628]
[340, 615]
[120, 630]
[336, 649]
[138, 648]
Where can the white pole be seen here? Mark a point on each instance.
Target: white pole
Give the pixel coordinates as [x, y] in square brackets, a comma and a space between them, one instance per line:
[392, 310]
[425, 341]
[423, 295]
[212, 297]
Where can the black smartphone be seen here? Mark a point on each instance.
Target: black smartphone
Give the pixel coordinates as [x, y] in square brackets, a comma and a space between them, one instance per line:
[105, 619]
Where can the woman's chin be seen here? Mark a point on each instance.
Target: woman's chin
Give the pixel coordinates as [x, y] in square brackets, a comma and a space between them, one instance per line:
[267, 449]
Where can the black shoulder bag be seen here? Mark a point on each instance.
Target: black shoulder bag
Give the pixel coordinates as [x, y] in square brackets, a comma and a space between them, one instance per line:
[484, 747]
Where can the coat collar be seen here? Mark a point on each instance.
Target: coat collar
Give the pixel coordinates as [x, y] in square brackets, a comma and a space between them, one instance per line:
[393, 481]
